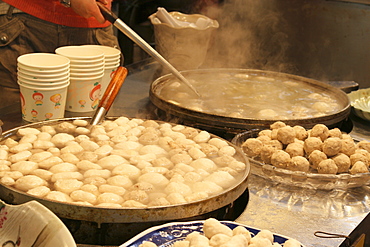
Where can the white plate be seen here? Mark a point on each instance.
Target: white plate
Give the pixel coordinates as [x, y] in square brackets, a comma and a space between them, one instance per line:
[165, 235]
[32, 224]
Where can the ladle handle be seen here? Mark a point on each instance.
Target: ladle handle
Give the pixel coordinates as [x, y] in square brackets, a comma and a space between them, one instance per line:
[109, 95]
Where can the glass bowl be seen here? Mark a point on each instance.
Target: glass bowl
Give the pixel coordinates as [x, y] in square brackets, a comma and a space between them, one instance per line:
[312, 179]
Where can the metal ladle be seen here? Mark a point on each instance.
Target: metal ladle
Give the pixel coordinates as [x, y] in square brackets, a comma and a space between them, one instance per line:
[119, 24]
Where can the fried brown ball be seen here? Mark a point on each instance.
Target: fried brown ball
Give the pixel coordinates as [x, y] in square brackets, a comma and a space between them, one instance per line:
[359, 157]
[266, 153]
[274, 134]
[286, 135]
[252, 147]
[275, 143]
[300, 132]
[265, 133]
[332, 146]
[348, 146]
[299, 163]
[295, 149]
[364, 153]
[327, 166]
[316, 157]
[277, 125]
[321, 131]
[343, 162]
[359, 167]
[280, 159]
[335, 133]
[311, 144]
[264, 139]
[364, 145]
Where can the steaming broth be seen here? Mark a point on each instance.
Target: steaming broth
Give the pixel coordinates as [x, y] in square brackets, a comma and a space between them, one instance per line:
[241, 95]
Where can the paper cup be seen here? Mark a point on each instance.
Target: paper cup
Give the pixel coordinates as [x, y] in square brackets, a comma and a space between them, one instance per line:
[87, 75]
[109, 52]
[49, 78]
[87, 66]
[42, 84]
[84, 94]
[107, 77]
[31, 70]
[77, 53]
[40, 104]
[43, 61]
[43, 76]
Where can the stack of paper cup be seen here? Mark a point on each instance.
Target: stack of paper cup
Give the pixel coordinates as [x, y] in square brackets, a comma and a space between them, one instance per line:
[43, 80]
[86, 73]
[111, 62]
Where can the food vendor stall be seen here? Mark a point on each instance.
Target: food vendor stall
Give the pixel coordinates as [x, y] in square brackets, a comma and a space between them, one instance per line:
[285, 210]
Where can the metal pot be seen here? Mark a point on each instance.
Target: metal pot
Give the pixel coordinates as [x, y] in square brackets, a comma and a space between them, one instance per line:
[225, 124]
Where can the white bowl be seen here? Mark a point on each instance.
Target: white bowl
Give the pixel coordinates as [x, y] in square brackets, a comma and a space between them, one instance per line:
[167, 234]
[360, 101]
[32, 224]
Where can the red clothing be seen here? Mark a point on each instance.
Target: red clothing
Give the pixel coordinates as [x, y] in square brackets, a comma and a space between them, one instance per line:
[52, 11]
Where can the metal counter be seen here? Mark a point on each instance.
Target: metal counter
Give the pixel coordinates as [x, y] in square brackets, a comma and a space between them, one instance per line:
[288, 211]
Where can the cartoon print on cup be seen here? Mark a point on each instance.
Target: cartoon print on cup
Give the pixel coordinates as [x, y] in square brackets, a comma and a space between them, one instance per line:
[38, 97]
[56, 99]
[34, 113]
[48, 116]
[82, 103]
[95, 95]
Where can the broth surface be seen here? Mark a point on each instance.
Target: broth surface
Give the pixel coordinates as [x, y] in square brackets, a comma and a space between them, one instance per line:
[241, 95]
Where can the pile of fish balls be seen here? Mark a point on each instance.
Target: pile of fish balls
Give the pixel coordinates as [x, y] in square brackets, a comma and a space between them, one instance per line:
[119, 163]
[320, 149]
[216, 234]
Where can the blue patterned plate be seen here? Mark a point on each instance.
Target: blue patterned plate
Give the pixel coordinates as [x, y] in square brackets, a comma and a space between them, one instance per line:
[165, 235]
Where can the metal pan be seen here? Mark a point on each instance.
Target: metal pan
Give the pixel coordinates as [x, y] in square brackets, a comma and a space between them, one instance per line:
[226, 124]
[126, 215]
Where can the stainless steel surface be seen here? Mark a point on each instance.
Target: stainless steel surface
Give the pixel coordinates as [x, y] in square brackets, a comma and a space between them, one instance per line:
[283, 214]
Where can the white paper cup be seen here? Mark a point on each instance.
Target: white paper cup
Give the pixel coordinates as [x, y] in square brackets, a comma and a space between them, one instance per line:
[109, 52]
[87, 66]
[114, 64]
[86, 75]
[107, 77]
[84, 94]
[43, 61]
[77, 53]
[43, 80]
[27, 69]
[28, 74]
[42, 84]
[40, 104]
